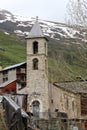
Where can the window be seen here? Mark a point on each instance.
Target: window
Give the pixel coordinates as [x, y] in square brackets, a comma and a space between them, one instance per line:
[35, 64]
[67, 103]
[5, 76]
[73, 105]
[35, 47]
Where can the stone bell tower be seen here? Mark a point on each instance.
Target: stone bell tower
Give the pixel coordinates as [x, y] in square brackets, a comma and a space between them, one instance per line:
[37, 71]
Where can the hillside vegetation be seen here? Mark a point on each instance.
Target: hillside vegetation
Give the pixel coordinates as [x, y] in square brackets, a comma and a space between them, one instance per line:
[66, 60]
[12, 50]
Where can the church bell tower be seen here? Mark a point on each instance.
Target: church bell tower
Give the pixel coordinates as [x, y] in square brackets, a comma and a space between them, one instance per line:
[37, 71]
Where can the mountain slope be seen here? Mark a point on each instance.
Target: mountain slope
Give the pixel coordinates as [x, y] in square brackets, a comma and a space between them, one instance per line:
[67, 47]
[22, 25]
[12, 50]
[65, 61]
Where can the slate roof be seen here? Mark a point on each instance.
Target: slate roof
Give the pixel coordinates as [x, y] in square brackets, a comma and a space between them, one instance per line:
[13, 66]
[36, 31]
[12, 103]
[75, 87]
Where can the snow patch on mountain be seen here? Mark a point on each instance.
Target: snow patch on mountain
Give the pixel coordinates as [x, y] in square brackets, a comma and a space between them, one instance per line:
[21, 18]
[6, 33]
[22, 25]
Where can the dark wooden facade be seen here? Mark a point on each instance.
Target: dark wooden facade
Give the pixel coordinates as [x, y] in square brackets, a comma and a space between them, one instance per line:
[84, 104]
[21, 76]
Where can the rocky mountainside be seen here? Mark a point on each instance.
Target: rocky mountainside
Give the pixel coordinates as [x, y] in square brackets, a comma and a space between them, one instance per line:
[21, 26]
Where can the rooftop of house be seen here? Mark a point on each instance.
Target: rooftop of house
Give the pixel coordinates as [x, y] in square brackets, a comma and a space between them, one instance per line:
[13, 66]
[75, 87]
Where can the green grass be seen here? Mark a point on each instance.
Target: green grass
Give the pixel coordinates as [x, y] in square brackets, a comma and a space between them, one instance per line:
[66, 61]
[15, 50]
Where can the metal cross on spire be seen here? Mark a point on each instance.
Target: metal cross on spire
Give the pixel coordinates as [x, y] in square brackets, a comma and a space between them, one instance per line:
[36, 18]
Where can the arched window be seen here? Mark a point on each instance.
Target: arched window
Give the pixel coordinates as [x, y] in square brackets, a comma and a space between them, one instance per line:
[35, 64]
[35, 47]
[36, 108]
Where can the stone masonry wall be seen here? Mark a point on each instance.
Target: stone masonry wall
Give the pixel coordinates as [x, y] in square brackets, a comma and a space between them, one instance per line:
[37, 80]
[65, 101]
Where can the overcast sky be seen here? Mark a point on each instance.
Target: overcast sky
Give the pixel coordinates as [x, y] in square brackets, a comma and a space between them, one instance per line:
[54, 10]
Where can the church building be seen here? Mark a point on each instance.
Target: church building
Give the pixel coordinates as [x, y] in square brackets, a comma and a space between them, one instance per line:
[37, 71]
[65, 99]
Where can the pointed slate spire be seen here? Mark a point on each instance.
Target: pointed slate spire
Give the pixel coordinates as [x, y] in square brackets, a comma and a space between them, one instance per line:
[36, 30]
